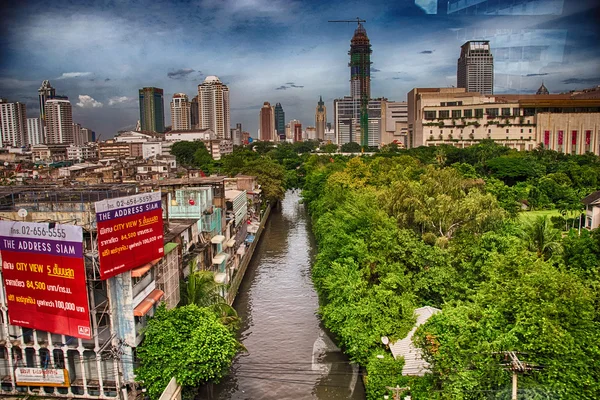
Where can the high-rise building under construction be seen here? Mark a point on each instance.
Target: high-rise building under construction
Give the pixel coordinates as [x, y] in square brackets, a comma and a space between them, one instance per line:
[360, 78]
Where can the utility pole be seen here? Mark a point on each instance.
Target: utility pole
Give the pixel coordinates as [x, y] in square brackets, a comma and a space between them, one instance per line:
[512, 363]
[397, 390]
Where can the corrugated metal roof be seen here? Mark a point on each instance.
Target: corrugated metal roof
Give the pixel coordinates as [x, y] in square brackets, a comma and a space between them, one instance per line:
[169, 247]
[414, 365]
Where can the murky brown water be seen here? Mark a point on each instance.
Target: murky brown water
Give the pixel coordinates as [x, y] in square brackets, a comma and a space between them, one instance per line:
[289, 354]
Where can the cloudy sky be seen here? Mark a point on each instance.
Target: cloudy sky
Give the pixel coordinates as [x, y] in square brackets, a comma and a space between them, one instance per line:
[100, 52]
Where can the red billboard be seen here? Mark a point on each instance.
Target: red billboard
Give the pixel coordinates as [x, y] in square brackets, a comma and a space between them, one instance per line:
[130, 232]
[44, 277]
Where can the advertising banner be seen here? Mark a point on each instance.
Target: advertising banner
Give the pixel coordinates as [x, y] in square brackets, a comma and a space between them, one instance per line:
[42, 377]
[44, 277]
[130, 232]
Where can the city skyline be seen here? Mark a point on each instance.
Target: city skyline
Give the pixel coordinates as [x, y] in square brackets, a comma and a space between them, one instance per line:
[101, 54]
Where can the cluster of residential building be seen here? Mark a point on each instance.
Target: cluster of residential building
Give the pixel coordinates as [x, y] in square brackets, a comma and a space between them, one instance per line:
[209, 224]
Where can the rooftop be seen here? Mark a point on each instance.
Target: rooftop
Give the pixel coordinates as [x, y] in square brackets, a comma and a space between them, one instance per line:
[414, 365]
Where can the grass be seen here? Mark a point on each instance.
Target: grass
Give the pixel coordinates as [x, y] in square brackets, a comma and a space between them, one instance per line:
[532, 215]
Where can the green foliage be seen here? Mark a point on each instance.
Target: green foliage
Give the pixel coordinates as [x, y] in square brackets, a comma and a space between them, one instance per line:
[382, 372]
[351, 147]
[188, 343]
[542, 238]
[203, 159]
[184, 152]
[202, 290]
[270, 176]
[442, 202]
[400, 231]
[527, 305]
[329, 148]
[514, 169]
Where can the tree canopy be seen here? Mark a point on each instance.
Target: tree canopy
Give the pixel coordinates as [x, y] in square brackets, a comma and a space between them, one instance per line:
[441, 227]
[188, 343]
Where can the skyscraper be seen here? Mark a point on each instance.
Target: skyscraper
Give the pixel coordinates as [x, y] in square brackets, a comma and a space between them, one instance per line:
[152, 109]
[45, 92]
[297, 128]
[280, 121]
[35, 131]
[180, 112]
[59, 121]
[321, 119]
[13, 124]
[360, 77]
[475, 70]
[194, 113]
[266, 121]
[213, 107]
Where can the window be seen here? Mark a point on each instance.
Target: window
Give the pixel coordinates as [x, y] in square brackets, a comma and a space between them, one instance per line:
[478, 112]
[517, 112]
[529, 130]
[489, 131]
[444, 114]
[506, 112]
[521, 130]
[507, 130]
[429, 114]
[456, 114]
[528, 112]
[468, 113]
[492, 112]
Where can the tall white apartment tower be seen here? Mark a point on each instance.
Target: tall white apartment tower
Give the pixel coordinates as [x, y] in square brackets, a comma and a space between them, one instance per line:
[13, 124]
[213, 107]
[35, 131]
[180, 112]
[59, 121]
[476, 67]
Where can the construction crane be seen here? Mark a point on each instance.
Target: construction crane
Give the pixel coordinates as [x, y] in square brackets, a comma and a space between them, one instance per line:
[358, 20]
[360, 61]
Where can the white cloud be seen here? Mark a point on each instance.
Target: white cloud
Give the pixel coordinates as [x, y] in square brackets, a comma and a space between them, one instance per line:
[67, 75]
[86, 101]
[119, 100]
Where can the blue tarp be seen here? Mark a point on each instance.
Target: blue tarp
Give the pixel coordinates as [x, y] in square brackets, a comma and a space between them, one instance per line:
[250, 238]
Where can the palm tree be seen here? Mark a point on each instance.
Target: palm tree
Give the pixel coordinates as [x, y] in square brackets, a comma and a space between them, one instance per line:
[542, 237]
[202, 290]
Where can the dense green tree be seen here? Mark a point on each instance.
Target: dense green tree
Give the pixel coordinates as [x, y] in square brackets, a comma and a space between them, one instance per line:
[329, 148]
[582, 253]
[184, 152]
[512, 169]
[542, 238]
[351, 147]
[203, 160]
[525, 305]
[382, 372]
[202, 290]
[270, 176]
[442, 202]
[235, 162]
[188, 343]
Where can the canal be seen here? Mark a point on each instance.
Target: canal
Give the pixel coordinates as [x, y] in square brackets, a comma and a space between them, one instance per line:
[289, 354]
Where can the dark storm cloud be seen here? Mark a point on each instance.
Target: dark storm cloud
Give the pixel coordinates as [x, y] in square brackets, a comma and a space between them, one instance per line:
[426, 52]
[581, 81]
[542, 74]
[375, 70]
[180, 73]
[289, 85]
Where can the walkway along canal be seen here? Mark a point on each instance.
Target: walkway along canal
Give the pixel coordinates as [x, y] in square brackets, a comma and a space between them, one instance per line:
[289, 354]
